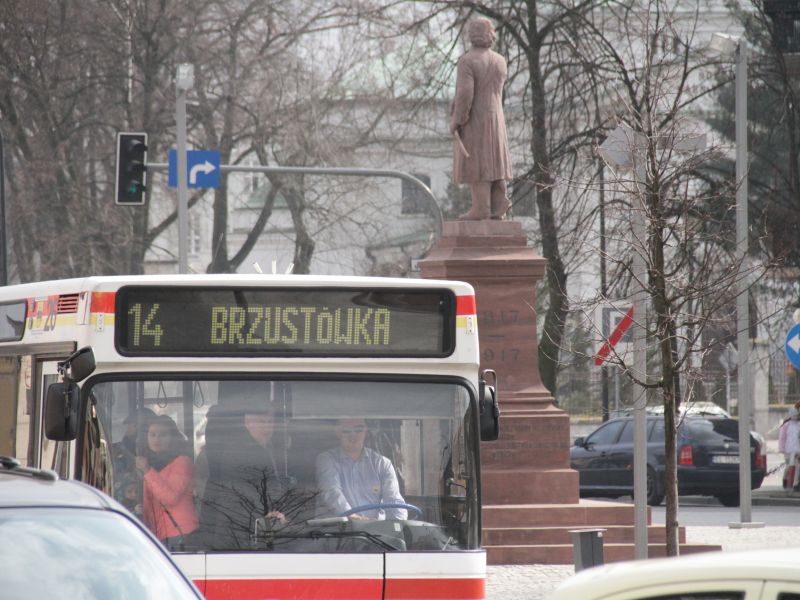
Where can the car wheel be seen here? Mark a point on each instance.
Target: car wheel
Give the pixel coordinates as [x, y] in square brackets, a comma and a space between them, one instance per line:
[729, 499]
[654, 493]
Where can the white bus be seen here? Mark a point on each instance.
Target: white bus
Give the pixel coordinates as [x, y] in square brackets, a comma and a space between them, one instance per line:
[284, 436]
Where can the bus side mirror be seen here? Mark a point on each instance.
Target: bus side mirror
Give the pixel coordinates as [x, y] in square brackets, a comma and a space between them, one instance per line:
[61, 410]
[489, 409]
[81, 364]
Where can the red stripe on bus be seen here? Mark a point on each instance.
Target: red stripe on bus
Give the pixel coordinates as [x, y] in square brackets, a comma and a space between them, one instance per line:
[465, 305]
[435, 589]
[344, 589]
[103, 302]
[286, 589]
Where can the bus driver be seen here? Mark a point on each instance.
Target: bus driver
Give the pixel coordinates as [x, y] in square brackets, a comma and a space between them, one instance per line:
[351, 475]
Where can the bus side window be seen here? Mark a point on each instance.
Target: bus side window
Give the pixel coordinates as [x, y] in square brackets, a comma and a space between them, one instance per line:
[9, 425]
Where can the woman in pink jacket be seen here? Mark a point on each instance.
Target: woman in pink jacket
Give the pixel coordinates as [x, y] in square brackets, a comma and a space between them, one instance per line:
[168, 475]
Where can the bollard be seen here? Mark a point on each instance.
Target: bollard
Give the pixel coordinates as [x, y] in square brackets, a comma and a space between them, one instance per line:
[587, 545]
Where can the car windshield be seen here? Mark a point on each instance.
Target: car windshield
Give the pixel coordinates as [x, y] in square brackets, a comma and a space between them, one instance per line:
[82, 554]
[290, 465]
[714, 429]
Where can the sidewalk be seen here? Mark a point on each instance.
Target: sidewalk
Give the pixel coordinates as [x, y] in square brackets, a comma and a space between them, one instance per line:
[775, 495]
[535, 582]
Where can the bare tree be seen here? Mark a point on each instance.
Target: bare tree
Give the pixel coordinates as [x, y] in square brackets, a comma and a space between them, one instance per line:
[691, 275]
[73, 74]
[277, 83]
[51, 115]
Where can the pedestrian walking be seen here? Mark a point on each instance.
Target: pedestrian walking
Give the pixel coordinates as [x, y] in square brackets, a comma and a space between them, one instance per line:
[789, 445]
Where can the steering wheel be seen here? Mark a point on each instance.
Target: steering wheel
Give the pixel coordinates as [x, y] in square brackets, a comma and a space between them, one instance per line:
[378, 506]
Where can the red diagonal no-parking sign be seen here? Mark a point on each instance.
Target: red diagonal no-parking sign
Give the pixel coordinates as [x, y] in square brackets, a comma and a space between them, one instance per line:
[615, 337]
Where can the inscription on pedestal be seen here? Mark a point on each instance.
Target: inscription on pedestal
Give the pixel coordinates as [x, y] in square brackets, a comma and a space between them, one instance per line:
[508, 336]
[495, 349]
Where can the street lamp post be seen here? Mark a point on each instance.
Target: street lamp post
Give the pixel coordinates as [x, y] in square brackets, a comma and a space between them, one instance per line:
[729, 45]
[742, 309]
[624, 149]
[184, 81]
[3, 229]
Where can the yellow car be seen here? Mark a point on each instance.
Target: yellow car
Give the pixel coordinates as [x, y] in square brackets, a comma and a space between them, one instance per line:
[751, 575]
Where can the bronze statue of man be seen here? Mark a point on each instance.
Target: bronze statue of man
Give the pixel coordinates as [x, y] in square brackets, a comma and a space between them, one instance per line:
[480, 149]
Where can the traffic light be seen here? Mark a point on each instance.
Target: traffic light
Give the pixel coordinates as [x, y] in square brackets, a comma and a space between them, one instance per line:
[131, 168]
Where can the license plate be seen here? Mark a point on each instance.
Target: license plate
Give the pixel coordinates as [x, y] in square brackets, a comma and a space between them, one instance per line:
[725, 459]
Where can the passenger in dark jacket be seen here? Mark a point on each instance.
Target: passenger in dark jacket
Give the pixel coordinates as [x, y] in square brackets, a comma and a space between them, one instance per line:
[243, 478]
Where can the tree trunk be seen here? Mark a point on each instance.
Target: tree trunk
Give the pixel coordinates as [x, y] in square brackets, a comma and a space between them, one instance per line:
[303, 242]
[219, 237]
[665, 333]
[553, 331]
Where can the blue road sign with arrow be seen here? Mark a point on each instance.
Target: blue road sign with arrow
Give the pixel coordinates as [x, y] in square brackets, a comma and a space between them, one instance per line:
[793, 346]
[202, 167]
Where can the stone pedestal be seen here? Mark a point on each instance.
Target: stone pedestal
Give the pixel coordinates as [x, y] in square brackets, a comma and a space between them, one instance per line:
[530, 461]
[530, 494]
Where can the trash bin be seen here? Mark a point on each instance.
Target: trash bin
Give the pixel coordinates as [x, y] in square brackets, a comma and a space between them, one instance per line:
[587, 545]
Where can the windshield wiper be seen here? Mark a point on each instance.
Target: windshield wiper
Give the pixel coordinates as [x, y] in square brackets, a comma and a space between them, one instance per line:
[270, 535]
[318, 535]
[374, 538]
[265, 532]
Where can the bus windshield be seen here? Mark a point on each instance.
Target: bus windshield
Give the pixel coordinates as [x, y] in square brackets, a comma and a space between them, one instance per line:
[291, 465]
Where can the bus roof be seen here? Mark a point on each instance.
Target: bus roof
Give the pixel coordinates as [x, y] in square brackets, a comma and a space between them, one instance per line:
[87, 284]
[215, 317]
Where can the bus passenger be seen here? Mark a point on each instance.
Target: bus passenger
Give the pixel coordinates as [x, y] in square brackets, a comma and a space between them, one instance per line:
[352, 475]
[167, 471]
[243, 478]
[123, 456]
[130, 494]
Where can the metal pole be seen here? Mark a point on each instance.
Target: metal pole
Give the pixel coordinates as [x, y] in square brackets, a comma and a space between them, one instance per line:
[3, 229]
[604, 289]
[728, 388]
[640, 364]
[183, 81]
[625, 148]
[433, 206]
[742, 310]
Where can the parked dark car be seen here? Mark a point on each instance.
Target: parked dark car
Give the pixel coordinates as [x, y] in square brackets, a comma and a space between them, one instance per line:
[66, 540]
[708, 459]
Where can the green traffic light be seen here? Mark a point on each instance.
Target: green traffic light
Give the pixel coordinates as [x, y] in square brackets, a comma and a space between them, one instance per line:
[131, 168]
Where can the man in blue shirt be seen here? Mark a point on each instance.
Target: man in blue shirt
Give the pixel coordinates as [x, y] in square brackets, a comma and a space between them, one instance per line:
[352, 475]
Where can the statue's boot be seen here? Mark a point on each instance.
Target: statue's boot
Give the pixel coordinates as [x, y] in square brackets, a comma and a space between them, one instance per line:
[480, 203]
[500, 206]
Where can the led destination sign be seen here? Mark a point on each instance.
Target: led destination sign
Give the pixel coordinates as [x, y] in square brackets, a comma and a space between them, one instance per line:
[284, 322]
